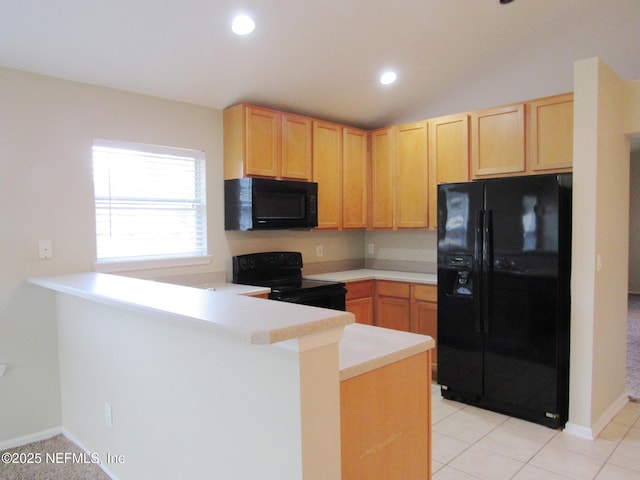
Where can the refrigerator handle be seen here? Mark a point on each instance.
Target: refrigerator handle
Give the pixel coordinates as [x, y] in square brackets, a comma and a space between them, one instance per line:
[487, 266]
[477, 255]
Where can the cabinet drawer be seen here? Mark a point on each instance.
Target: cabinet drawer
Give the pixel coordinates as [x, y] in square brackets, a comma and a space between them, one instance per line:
[426, 293]
[392, 289]
[359, 289]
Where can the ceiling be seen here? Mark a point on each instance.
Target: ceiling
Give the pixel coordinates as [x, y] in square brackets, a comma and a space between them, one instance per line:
[323, 57]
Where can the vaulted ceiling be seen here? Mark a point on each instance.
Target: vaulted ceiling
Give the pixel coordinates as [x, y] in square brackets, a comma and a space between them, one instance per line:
[323, 57]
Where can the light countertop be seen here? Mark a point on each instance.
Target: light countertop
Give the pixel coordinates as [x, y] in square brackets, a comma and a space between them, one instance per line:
[370, 274]
[248, 319]
[229, 312]
[364, 348]
[234, 288]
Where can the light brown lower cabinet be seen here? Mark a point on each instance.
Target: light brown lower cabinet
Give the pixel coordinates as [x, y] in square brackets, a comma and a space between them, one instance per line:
[359, 300]
[410, 307]
[393, 305]
[385, 422]
[424, 315]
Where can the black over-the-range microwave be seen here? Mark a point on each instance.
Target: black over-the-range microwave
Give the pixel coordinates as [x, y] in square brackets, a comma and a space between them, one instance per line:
[269, 204]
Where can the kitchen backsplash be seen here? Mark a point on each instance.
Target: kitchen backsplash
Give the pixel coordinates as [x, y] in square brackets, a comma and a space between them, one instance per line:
[401, 265]
[311, 268]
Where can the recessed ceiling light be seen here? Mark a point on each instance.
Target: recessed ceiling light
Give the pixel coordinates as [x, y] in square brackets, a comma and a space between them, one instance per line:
[388, 77]
[243, 25]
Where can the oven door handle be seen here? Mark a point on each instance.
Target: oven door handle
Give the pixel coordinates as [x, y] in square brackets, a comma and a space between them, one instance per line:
[291, 299]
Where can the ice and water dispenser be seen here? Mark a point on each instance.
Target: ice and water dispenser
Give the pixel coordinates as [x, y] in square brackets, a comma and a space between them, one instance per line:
[459, 278]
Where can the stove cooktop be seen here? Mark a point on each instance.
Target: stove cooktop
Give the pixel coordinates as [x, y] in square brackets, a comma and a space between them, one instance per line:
[306, 285]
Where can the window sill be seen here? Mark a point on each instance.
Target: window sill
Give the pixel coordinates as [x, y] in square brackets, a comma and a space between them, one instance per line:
[107, 266]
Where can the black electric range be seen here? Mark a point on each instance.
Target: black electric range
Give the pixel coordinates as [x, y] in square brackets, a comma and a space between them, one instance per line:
[282, 273]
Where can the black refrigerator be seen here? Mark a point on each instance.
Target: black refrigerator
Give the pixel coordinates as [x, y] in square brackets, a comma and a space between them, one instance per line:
[504, 266]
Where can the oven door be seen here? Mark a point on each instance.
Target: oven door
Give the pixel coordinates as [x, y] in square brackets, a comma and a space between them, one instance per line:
[331, 298]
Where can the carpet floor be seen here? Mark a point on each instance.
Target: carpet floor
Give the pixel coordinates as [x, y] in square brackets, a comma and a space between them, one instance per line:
[56, 458]
[633, 348]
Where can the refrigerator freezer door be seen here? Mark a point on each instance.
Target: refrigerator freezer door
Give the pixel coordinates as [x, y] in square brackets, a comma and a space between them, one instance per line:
[521, 342]
[460, 341]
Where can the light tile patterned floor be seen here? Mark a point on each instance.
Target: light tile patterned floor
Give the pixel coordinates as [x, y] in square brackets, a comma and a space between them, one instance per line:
[470, 443]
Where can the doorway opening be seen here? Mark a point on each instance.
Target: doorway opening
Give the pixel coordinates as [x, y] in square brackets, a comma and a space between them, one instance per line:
[633, 317]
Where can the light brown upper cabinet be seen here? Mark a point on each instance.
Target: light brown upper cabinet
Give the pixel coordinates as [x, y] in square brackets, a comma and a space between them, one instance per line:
[327, 172]
[550, 134]
[296, 147]
[411, 174]
[448, 156]
[260, 142]
[382, 178]
[355, 177]
[497, 141]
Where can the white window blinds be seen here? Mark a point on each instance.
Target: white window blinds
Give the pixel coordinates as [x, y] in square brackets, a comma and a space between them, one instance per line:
[150, 201]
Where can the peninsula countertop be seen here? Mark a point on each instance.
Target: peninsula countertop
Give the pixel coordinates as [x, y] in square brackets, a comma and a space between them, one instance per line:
[229, 313]
[365, 348]
[247, 319]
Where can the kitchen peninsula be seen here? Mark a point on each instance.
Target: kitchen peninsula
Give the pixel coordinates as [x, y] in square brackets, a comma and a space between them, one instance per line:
[192, 383]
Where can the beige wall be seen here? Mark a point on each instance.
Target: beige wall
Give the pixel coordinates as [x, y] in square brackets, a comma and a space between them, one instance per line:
[600, 248]
[46, 192]
[48, 126]
[407, 250]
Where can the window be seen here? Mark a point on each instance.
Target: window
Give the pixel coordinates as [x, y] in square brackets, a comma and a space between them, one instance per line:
[150, 202]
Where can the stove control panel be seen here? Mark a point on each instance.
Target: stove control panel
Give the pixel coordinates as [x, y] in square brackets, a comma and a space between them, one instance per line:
[266, 266]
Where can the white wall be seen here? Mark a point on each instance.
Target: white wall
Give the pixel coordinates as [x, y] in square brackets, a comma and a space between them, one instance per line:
[185, 402]
[634, 224]
[47, 127]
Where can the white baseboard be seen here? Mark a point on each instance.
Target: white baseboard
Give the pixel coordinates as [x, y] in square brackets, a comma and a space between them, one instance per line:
[33, 437]
[578, 431]
[71, 437]
[591, 433]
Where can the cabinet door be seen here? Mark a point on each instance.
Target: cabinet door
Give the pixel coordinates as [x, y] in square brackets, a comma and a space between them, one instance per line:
[448, 156]
[393, 312]
[327, 172]
[360, 300]
[263, 142]
[424, 320]
[296, 147]
[411, 186]
[550, 139]
[359, 289]
[497, 141]
[355, 174]
[382, 179]
[385, 422]
[362, 308]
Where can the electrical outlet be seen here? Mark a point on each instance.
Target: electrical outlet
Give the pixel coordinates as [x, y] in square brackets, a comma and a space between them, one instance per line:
[371, 249]
[3, 368]
[45, 249]
[319, 251]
